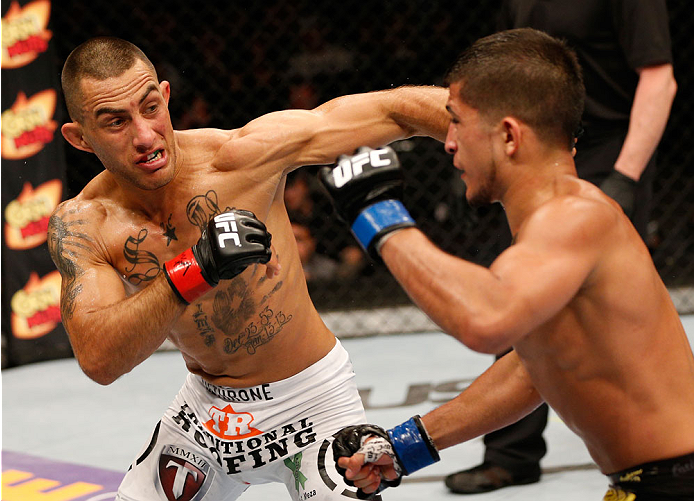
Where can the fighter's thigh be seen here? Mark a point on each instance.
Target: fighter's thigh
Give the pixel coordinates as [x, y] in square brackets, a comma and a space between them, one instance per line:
[171, 467]
[311, 475]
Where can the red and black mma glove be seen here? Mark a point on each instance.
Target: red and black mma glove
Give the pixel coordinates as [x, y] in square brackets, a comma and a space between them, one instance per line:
[366, 190]
[408, 445]
[231, 242]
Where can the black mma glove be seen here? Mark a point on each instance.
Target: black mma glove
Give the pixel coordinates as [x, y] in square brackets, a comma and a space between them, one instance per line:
[366, 189]
[622, 189]
[231, 242]
[408, 445]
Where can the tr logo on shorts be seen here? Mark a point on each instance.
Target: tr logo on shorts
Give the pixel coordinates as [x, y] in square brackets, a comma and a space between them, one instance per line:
[183, 475]
[227, 223]
[230, 425]
[347, 168]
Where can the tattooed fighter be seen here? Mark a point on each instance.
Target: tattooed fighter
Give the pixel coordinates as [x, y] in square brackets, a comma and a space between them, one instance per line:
[152, 249]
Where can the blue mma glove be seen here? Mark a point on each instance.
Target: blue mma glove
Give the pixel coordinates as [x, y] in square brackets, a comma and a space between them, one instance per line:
[366, 190]
[408, 445]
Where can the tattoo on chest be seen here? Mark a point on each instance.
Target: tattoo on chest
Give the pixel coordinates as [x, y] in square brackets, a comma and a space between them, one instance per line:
[65, 243]
[136, 256]
[233, 313]
[202, 208]
[169, 230]
[199, 210]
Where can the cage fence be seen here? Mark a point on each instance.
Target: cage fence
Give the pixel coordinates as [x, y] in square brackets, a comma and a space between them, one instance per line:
[233, 61]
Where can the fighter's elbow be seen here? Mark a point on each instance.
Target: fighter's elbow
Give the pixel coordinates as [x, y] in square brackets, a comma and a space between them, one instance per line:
[486, 335]
[99, 370]
[672, 88]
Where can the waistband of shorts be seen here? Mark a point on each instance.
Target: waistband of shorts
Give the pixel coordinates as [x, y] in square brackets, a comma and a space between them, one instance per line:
[322, 370]
[674, 467]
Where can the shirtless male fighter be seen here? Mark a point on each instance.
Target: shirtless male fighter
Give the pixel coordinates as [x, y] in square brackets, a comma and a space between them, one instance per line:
[594, 331]
[152, 249]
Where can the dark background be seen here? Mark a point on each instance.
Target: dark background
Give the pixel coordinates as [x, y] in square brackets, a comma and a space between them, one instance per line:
[242, 59]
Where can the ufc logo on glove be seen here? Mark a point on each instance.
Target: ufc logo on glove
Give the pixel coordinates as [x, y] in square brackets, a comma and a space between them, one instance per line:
[366, 189]
[227, 223]
[347, 168]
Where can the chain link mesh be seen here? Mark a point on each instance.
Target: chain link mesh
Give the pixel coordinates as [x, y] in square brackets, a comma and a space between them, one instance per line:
[231, 62]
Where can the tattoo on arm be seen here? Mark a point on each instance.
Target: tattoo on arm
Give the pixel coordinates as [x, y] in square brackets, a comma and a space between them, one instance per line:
[64, 243]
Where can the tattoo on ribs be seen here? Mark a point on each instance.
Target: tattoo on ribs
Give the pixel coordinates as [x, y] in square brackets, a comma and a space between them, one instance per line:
[64, 244]
[259, 332]
[204, 328]
[233, 311]
[232, 306]
[136, 256]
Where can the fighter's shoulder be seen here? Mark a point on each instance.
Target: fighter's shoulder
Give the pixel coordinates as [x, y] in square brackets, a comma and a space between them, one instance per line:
[206, 138]
[76, 227]
[207, 147]
[89, 212]
[586, 214]
[83, 207]
[199, 143]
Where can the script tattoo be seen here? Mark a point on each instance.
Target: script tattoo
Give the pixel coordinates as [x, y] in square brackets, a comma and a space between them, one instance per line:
[233, 307]
[259, 332]
[169, 230]
[202, 208]
[204, 328]
[277, 287]
[64, 244]
[135, 256]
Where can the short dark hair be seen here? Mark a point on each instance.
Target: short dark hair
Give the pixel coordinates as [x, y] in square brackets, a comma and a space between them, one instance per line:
[527, 74]
[99, 58]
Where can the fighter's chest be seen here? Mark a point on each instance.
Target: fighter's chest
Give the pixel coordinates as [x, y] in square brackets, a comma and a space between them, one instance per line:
[139, 246]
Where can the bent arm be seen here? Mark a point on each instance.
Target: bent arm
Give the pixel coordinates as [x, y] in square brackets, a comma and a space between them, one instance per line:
[502, 395]
[110, 333]
[650, 110]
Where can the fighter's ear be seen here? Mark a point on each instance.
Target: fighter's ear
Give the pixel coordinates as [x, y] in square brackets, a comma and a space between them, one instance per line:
[72, 132]
[511, 133]
[165, 87]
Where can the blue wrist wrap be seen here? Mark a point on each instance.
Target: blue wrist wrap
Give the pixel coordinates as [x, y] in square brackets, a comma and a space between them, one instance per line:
[377, 217]
[413, 450]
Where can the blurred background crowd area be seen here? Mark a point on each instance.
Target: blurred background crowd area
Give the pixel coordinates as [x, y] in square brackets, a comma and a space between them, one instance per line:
[230, 62]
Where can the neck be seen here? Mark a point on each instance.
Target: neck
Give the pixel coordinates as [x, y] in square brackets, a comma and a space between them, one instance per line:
[532, 184]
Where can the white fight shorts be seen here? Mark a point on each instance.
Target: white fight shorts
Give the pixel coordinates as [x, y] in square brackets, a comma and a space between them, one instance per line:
[216, 441]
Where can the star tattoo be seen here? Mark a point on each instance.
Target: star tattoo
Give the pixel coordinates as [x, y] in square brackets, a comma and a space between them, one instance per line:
[169, 231]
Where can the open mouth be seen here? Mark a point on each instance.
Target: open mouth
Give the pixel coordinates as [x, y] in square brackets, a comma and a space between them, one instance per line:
[152, 157]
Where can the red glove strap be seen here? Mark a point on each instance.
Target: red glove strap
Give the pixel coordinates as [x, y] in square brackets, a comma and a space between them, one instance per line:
[184, 276]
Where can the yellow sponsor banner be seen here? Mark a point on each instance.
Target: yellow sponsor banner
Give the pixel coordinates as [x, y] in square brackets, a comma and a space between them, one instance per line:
[20, 485]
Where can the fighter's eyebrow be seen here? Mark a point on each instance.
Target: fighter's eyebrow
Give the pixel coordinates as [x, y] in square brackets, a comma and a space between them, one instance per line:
[116, 111]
